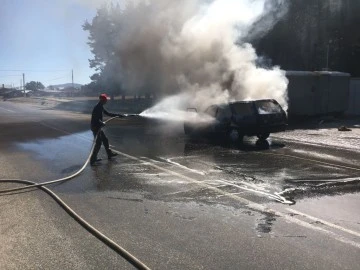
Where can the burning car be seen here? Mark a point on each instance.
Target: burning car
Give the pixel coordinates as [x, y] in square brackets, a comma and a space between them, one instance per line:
[237, 119]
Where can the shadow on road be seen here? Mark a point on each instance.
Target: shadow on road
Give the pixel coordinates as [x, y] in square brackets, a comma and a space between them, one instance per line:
[195, 144]
[300, 190]
[29, 131]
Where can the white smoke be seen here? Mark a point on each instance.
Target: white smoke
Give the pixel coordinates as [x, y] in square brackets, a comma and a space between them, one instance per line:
[197, 48]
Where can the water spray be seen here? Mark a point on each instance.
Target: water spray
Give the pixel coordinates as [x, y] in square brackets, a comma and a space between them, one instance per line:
[131, 115]
[195, 51]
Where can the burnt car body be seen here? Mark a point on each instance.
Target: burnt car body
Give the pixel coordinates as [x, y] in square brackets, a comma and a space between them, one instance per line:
[237, 119]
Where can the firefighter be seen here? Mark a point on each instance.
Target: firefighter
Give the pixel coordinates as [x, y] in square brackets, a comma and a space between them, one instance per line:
[96, 125]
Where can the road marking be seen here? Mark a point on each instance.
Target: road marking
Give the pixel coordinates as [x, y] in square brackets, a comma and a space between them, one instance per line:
[182, 166]
[7, 110]
[318, 155]
[312, 143]
[246, 186]
[324, 222]
[275, 197]
[249, 204]
[312, 160]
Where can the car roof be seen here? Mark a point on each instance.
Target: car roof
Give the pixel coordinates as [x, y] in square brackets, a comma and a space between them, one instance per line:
[250, 101]
[241, 102]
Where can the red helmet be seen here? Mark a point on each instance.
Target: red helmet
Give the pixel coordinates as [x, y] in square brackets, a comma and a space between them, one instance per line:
[104, 97]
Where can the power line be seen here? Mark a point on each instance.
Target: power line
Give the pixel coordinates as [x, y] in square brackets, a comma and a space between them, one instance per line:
[63, 77]
[44, 81]
[10, 76]
[33, 70]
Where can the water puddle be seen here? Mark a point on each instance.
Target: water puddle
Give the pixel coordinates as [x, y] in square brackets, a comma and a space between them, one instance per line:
[64, 155]
[246, 183]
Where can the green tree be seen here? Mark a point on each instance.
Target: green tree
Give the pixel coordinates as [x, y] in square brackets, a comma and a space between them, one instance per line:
[314, 35]
[34, 86]
[102, 41]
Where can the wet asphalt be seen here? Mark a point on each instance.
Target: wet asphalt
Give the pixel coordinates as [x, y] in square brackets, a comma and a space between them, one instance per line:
[176, 202]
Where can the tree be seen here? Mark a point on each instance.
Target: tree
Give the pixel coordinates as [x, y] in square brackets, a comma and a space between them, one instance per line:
[34, 86]
[144, 49]
[315, 35]
[102, 41]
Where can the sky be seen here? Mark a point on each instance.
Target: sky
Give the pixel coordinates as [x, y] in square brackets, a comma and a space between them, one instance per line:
[44, 40]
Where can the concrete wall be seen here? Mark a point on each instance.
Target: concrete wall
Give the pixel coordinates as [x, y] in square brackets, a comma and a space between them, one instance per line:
[354, 97]
[317, 93]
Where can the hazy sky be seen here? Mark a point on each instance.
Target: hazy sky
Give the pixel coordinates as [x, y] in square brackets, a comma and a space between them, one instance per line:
[44, 39]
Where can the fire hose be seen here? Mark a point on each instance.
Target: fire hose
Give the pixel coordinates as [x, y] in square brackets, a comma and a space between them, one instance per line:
[106, 240]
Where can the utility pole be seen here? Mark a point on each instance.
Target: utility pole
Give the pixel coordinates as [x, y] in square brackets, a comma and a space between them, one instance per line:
[24, 84]
[72, 80]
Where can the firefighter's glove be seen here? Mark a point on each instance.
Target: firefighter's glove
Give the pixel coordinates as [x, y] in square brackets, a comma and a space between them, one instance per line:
[102, 124]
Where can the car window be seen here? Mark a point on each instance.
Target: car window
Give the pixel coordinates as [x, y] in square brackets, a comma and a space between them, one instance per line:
[211, 111]
[223, 113]
[267, 107]
[243, 108]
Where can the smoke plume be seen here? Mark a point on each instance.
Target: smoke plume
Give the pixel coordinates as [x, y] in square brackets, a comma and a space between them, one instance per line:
[197, 48]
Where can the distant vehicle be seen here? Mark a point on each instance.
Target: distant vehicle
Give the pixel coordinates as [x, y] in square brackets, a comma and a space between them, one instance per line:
[237, 119]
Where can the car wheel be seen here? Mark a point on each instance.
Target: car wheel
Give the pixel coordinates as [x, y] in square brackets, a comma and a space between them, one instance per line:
[262, 144]
[263, 136]
[234, 135]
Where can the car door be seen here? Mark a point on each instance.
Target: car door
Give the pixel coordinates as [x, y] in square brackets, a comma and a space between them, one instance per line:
[223, 118]
[244, 115]
[211, 111]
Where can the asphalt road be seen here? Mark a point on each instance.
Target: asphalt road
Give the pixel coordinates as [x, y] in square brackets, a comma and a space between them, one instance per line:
[172, 202]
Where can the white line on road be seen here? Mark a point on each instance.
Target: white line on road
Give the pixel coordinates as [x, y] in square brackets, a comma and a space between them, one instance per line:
[249, 204]
[245, 186]
[275, 197]
[312, 143]
[7, 110]
[312, 160]
[324, 222]
[182, 166]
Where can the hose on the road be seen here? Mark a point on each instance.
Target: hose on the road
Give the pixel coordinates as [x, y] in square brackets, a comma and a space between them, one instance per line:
[56, 180]
[107, 241]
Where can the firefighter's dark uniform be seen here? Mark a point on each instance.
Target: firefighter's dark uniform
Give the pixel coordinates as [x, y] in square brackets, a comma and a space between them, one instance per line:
[96, 124]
